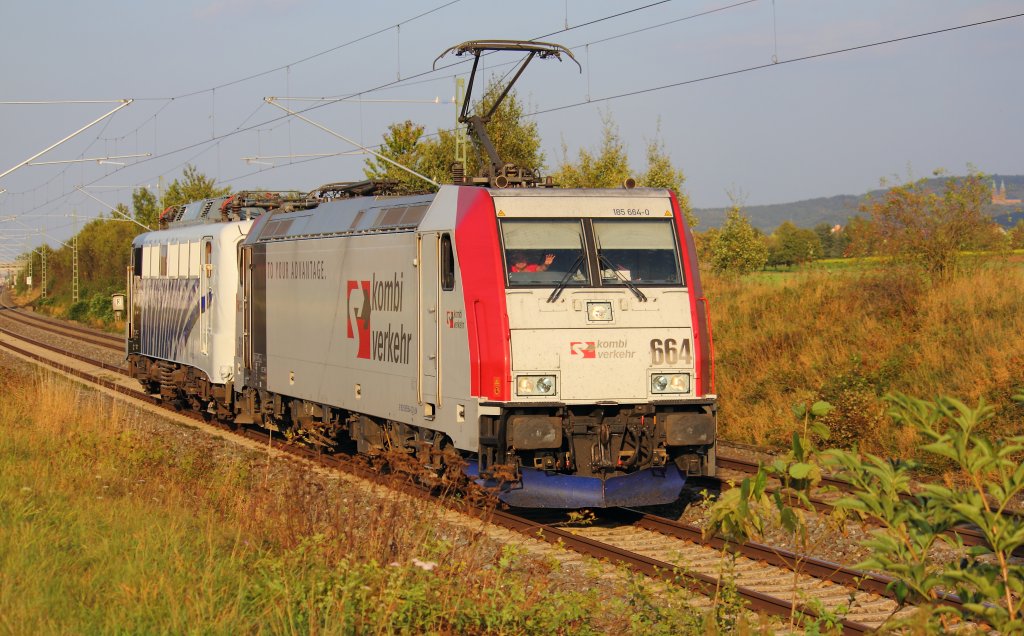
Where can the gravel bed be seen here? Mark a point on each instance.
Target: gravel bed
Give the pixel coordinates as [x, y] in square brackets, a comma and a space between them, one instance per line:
[69, 343]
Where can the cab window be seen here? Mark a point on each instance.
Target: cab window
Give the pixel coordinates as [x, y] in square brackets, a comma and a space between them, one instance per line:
[640, 251]
[544, 252]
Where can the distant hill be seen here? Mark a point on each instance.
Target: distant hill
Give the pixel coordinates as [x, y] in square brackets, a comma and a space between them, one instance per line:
[1010, 219]
[837, 209]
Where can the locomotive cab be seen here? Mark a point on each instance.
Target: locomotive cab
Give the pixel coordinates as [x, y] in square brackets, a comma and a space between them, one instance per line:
[609, 400]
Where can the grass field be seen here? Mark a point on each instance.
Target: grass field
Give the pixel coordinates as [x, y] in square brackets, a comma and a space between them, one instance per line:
[110, 523]
[849, 336]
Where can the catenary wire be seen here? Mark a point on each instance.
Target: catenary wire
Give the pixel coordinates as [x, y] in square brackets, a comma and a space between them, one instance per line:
[610, 97]
[759, 67]
[718, 75]
[401, 82]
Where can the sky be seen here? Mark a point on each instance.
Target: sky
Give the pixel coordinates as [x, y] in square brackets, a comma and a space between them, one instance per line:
[756, 101]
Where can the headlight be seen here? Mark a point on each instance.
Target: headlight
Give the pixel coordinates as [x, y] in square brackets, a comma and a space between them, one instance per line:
[535, 385]
[599, 311]
[670, 383]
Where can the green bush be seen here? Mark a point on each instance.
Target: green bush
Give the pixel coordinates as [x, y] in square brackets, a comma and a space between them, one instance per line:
[79, 311]
[913, 520]
[100, 307]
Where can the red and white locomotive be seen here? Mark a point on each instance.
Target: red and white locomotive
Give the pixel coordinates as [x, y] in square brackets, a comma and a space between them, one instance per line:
[402, 321]
[555, 339]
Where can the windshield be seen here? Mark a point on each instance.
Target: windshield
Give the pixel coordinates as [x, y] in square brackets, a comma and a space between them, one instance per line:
[638, 251]
[544, 252]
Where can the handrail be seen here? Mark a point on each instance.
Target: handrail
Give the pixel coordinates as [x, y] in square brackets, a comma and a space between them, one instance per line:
[711, 340]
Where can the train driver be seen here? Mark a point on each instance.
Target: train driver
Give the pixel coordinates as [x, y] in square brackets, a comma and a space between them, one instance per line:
[521, 263]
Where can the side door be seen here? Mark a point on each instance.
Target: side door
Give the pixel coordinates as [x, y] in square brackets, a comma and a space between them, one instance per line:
[429, 298]
[206, 286]
[134, 315]
[246, 308]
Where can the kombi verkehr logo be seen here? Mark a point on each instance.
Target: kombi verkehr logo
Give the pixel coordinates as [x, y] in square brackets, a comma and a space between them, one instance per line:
[583, 349]
[368, 298]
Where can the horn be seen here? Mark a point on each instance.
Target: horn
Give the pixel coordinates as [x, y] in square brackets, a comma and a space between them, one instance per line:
[629, 183]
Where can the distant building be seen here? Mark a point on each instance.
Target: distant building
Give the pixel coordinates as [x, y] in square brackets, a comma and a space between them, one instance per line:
[999, 195]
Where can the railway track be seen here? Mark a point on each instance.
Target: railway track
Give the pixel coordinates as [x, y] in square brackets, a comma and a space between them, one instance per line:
[61, 328]
[770, 581]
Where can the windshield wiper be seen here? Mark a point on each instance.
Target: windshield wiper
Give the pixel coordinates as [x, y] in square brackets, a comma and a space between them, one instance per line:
[557, 291]
[628, 283]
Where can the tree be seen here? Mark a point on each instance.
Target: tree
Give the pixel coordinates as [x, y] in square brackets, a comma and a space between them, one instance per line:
[791, 245]
[705, 241]
[402, 145]
[104, 246]
[911, 223]
[1017, 236]
[840, 243]
[193, 186]
[606, 169]
[515, 139]
[739, 248]
[438, 154]
[826, 238]
[910, 521]
[147, 212]
[609, 168]
[661, 173]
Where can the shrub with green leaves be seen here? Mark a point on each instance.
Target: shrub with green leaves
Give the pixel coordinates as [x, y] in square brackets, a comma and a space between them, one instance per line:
[746, 512]
[740, 513]
[100, 307]
[914, 520]
[79, 311]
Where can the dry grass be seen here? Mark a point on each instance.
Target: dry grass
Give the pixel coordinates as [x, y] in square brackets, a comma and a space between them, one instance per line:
[851, 337]
[113, 523]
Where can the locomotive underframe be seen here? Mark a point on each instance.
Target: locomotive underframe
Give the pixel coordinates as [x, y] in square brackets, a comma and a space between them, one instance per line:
[184, 386]
[319, 424]
[604, 441]
[601, 441]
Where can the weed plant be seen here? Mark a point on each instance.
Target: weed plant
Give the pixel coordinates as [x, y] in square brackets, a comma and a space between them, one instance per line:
[910, 520]
[111, 523]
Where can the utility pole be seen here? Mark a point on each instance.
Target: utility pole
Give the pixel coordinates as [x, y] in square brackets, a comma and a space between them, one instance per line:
[74, 258]
[42, 253]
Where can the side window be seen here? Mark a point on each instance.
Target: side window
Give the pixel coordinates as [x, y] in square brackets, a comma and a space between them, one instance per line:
[149, 261]
[193, 259]
[208, 257]
[447, 263]
[183, 260]
[137, 261]
[151, 255]
[172, 260]
[163, 260]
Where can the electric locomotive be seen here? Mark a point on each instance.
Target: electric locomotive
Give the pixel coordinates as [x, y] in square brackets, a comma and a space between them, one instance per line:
[555, 342]
[181, 314]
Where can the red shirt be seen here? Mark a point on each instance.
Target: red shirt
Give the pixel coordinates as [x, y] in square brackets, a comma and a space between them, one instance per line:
[530, 267]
